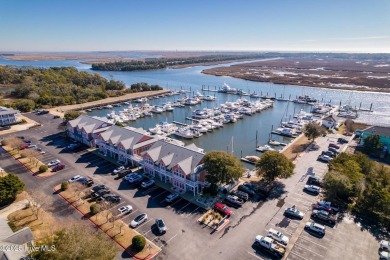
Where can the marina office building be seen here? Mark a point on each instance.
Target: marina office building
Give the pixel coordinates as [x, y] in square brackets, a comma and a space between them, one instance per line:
[9, 116]
[169, 162]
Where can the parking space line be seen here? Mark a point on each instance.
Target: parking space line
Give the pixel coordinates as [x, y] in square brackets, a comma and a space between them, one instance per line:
[169, 240]
[143, 223]
[160, 194]
[183, 207]
[146, 192]
[300, 257]
[252, 254]
[311, 241]
[305, 248]
[148, 231]
[192, 212]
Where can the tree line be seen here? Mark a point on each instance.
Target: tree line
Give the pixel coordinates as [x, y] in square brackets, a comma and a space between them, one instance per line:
[40, 87]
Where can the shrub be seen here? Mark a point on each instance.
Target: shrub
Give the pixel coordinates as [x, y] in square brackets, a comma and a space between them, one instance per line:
[95, 208]
[43, 168]
[138, 243]
[64, 185]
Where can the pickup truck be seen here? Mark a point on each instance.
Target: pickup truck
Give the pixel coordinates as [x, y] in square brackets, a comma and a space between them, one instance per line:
[269, 245]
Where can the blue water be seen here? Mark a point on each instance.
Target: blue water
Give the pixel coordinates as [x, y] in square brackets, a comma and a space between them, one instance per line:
[243, 133]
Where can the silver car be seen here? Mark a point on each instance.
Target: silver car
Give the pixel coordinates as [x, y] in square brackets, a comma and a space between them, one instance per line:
[162, 228]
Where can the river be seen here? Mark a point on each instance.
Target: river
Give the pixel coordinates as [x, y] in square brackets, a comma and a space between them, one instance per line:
[241, 136]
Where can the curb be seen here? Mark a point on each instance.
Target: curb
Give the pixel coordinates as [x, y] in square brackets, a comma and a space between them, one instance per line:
[93, 222]
[28, 169]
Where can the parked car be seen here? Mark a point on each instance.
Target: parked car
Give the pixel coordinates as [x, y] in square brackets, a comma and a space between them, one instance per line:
[123, 173]
[324, 158]
[118, 169]
[247, 190]
[112, 198]
[20, 137]
[124, 210]
[278, 236]
[222, 209]
[27, 141]
[334, 145]
[138, 220]
[324, 216]
[315, 228]
[58, 167]
[314, 181]
[162, 228]
[130, 176]
[86, 182]
[384, 255]
[342, 140]
[172, 197]
[23, 146]
[72, 146]
[136, 179]
[242, 195]
[147, 184]
[74, 178]
[98, 187]
[54, 163]
[251, 186]
[56, 116]
[32, 146]
[328, 153]
[294, 213]
[384, 245]
[234, 200]
[312, 189]
[100, 193]
[327, 206]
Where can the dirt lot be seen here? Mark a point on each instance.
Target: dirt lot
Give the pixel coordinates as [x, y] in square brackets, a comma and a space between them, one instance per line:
[364, 75]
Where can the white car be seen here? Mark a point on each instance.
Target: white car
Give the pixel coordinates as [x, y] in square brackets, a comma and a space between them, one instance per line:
[312, 189]
[74, 178]
[138, 220]
[314, 227]
[384, 255]
[278, 236]
[147, 184]
[293, 212]
[33, 146]
[384, 245]
[118, 169]
[42, 152]
[162, 228]
[125, 210]
[54, 163]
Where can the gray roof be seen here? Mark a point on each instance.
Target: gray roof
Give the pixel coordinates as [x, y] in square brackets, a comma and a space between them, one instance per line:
[7, 111]
[129, 137]
[89, 124]
[378, 130]
[187, 158]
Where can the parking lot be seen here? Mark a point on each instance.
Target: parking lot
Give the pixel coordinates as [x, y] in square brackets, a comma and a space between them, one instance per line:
[185, 236]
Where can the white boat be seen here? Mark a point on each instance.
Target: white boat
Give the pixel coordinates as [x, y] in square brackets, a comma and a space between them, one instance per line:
[274, 142]
[168, 107]
[109, 106]
[286, 132]
[209, 98]
[191, 102]
[157, 110]
[227, 89]
[184, 132]
[264, 148]
[156, 130]
[141, 100]
[168, 128]
[199, 128]
[199, 95]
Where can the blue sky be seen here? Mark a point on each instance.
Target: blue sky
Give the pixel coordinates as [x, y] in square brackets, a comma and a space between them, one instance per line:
[281, 25]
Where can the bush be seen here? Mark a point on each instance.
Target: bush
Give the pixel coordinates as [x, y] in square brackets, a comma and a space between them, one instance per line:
[95, 208]
[64, 185]
[10, 186]
[138, 243]
[43, 168]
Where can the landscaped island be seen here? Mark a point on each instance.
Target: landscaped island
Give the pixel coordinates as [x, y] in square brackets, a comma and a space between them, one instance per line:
[353, 72]
[28, 88]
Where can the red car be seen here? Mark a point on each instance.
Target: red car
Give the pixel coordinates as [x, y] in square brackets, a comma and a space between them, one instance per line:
[24, 146]
[58, 167]
[334, 145]
[222, 208]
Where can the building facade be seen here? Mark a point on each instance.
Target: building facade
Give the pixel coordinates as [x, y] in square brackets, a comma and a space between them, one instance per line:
[382, 132]
[124, 144]
[85, 129]
[9, 116]
[180, 166]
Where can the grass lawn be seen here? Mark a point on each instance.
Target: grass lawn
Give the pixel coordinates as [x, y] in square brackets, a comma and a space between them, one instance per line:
[296, 147]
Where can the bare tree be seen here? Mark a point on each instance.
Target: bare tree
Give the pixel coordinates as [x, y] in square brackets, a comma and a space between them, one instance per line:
[37, 200]
[349, 125]
[13, 142]
[32, 155]
[77, 189]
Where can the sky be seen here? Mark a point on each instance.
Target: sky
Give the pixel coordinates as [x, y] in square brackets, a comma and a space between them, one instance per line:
[250, 25]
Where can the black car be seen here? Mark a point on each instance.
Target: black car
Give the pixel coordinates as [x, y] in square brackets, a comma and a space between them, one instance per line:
[99, 187]
[86, 182]
[342, 141]
[333, 150]
[328, 153]
[323, 216]
[247, 190]
[112, 198]
[234, 201]
[314, 181]
[100, 193]
[56, 116]
[242, 195]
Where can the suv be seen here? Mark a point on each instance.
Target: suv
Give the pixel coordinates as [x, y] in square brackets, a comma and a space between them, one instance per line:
[324, 216]
[234, 200]
[112, 198]
[86, 182]
[162, 228]
[222, 208]
[312, 189]
[342, 141]
[246, 190]
[314, 181]
[242, 195]
[98, 187]
[316, 228]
